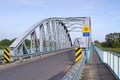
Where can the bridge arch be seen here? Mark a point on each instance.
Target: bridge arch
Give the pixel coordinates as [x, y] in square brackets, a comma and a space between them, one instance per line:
[50, 34]
[46, 35]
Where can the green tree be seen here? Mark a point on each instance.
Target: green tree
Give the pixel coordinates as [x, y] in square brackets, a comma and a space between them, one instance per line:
[27, 42]
[113, 40]
[13, 40]
[96, 41]
[5, 43]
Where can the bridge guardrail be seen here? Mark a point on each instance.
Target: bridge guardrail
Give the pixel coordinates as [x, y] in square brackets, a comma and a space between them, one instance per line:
[88, 52]
[1, 55]
[28, 56]
[1, 51]
[1, 58]
[75, 71]
[111, 59]
[23, 57]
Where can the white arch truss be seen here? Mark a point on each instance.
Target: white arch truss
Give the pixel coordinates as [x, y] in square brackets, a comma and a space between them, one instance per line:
[50, 34]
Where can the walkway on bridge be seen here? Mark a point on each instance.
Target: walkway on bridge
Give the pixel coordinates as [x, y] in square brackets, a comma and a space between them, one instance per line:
[95, 70]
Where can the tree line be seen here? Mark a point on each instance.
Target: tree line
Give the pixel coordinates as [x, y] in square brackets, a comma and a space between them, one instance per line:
[5, 43]
[112, 40]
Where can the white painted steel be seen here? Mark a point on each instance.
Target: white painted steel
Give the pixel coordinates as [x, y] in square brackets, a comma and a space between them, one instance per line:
[116, 64]
[112, 61]
[1, 51]
[105, 56]
[53, 34]
[109, 59]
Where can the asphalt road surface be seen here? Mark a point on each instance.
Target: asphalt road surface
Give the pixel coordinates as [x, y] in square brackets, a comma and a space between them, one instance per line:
[53, 67]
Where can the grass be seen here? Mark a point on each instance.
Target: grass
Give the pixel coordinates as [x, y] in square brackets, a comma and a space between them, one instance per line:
[115, 50]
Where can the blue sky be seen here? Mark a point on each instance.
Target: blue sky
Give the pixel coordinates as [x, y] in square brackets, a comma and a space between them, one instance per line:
[16, 16]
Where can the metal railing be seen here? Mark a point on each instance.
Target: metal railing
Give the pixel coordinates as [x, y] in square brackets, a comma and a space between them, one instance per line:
[75, 72]
[1, 58]
[111, 59]
[14, 58]
[1, 51]
[88, 52]
[1, 55]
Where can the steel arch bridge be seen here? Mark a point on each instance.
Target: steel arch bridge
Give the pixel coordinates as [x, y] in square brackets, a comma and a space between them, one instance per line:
[50, 34]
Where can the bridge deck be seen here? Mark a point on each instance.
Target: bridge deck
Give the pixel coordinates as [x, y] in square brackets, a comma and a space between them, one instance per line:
[51, 67]
[95, 70]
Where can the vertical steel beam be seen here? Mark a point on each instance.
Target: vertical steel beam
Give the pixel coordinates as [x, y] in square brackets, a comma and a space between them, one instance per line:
[48, 35]
[34, 43]
[41, 37]
[53, 35]
[57, 35]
